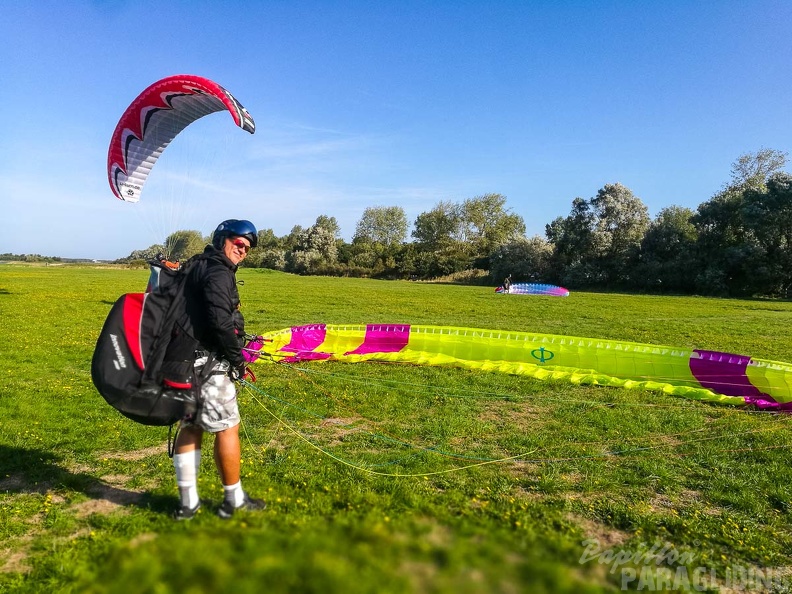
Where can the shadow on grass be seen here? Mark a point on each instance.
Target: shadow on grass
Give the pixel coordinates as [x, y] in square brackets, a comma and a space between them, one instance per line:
[31, 470]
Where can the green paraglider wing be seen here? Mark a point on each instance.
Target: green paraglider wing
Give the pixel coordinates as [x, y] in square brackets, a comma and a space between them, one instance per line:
[693, 373]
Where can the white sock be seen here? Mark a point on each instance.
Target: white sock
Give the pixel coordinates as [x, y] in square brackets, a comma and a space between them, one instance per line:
[187, 466]
[234, 494]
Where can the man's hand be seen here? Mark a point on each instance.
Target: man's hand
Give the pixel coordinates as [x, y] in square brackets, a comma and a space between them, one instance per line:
[241, 372]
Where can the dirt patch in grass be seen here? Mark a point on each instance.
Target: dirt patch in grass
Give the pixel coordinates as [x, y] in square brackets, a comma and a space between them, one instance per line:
[79, 468]
[605, 536]
[94, 506]
[526, 495]
[107, 497]
[661, 503]
[341, 426]
[278, 443]
[573, 479]
[141, 539]
[434, 534]
[333, 430]
[13, 559]
[690, 495]
[135, 454]
[516, 416]
[420, 574]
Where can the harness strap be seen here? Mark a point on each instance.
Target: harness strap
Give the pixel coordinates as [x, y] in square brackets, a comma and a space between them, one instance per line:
[172, 443]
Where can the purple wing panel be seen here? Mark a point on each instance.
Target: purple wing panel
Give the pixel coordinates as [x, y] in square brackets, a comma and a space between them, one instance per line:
[304, 339]
[724, 373]
[383, 338]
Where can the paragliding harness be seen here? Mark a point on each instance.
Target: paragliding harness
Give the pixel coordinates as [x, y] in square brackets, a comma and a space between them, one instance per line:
[144, 361]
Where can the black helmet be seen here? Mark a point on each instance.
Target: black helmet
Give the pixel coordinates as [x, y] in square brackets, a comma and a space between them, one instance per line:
[235, 228]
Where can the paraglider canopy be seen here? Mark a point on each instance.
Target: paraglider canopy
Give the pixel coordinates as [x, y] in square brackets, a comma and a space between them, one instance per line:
[531, 289]
[154, 119]
[711, 376]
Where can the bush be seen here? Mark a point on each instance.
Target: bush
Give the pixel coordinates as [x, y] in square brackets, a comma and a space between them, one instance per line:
[475, 276]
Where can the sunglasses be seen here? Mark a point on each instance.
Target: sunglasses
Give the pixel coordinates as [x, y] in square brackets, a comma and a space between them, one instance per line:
[239, 244]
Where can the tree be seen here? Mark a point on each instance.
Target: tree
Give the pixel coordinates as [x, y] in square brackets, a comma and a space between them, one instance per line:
[732, 246]
[439, 249]
[322, 240]
[768, 217]
[486, 223]
[363, 253]
[571, 240]
[273, 258]
[598, 243]
[303, 261]
[330, 224]
[725, 248]
[383, 225]
[290, 241]
[621, 222]
[668, 252]
[148, 254]
[314, 248]
[182, 245]
[526, 259]
[438, 227]
[378, 239]
[267, 240]
[752, 170]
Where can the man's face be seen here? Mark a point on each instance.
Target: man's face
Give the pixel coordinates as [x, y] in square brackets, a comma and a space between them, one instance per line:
[236, 248]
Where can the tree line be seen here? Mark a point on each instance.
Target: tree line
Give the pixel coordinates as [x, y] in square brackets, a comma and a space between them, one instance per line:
[737, 243]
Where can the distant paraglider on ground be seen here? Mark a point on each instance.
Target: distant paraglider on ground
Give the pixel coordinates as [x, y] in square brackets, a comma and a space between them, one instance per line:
[532, 289]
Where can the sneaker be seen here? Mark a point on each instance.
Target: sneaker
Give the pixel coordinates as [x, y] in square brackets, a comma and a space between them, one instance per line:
[187, 513]
[227, 509]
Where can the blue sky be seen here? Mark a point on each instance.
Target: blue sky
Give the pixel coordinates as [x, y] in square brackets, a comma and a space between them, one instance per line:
[366, 103]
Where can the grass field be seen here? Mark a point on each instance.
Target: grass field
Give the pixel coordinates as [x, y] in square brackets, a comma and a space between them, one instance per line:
[387, 478]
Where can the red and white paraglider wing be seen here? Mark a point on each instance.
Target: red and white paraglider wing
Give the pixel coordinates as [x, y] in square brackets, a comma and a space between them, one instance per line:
[154, 119]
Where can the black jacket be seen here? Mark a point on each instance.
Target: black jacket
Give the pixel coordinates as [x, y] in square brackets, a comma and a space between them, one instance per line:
[212, 303]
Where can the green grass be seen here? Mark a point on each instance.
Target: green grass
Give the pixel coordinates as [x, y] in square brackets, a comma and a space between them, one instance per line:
[389, 478]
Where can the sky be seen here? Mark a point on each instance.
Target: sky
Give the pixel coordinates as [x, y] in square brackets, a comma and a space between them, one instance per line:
[364, 104]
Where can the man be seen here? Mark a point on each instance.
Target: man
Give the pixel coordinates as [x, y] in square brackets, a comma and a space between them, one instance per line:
[212, 303]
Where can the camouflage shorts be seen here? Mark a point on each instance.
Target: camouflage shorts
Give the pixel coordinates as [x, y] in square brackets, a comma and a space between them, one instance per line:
[217, 403]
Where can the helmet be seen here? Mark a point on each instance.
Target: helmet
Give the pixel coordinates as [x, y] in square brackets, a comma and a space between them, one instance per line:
[235, 228]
